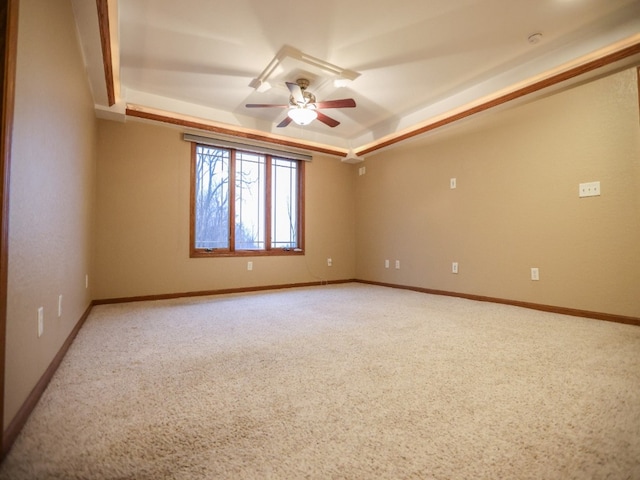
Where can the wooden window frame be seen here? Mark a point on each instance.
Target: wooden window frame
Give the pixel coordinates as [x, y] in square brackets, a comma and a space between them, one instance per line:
[231, 251]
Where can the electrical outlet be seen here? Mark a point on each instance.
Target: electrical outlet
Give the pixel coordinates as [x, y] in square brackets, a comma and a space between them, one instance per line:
[397, 264]
[59, 306]
[329, 262]
[452, 183]
[591, 189]
[249, 265]
[454, 267]
[40, 321]
[535, 274]
[386, 264]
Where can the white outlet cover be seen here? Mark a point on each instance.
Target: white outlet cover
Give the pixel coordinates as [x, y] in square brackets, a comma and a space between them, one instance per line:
[454, 267]
[452, 183]
[590, 189]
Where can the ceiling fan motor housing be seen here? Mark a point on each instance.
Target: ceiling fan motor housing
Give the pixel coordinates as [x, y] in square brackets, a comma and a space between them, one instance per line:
[303, 83]
[309, 100]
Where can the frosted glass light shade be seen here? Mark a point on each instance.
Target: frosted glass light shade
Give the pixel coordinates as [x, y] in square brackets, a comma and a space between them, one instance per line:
[302, 116]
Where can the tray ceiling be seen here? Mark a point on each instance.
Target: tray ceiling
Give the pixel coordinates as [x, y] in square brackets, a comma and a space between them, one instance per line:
[405, 62]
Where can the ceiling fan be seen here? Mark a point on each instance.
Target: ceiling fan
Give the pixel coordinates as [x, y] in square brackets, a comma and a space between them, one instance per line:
[303, 108]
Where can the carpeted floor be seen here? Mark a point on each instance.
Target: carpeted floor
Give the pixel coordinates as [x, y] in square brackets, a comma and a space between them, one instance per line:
[345, 381]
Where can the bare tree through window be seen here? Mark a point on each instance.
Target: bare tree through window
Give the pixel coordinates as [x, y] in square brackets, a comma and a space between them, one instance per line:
[259, 191]
[212, 198]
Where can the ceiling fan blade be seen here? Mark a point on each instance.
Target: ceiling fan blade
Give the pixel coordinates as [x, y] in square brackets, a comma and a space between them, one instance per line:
[343, 103]
[296, 92]
[327, 120]
[265, 105]
[285, 122]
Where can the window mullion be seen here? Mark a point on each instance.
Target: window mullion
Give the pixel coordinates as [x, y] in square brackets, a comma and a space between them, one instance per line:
[301, 206]
[232, 201]
[267, 203]
[192, 206]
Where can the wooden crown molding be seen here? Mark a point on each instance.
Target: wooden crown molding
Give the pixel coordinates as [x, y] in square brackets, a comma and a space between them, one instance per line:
[166, 117]
[105, 41]
[199, 124]
[551, 81]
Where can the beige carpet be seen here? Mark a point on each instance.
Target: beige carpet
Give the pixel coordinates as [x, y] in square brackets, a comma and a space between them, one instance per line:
[345, 381]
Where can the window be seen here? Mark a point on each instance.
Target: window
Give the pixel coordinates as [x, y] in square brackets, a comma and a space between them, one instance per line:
[245, 203]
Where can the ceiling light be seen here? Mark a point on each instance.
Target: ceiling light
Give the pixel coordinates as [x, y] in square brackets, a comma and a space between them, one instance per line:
[302, 116]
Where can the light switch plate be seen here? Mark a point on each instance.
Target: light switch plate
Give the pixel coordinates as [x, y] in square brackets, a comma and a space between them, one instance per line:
[40, 321]
[535, 274]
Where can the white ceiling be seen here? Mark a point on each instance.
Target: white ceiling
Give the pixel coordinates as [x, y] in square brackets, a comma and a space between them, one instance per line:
[416, 59]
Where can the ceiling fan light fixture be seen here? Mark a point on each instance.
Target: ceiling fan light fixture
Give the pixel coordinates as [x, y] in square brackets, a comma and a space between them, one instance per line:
[302, 116]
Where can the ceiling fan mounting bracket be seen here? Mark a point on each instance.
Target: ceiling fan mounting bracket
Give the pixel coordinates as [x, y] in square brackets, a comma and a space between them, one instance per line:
[303, 83]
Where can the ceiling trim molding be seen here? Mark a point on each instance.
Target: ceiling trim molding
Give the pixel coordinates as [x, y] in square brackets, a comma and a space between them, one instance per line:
[590, 64]
[571, 73]
[105, 41]
[174, 119]
[288, 51]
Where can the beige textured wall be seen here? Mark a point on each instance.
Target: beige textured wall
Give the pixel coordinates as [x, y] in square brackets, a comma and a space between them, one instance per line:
[51, 194]
[516, 204]
[143, 221]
